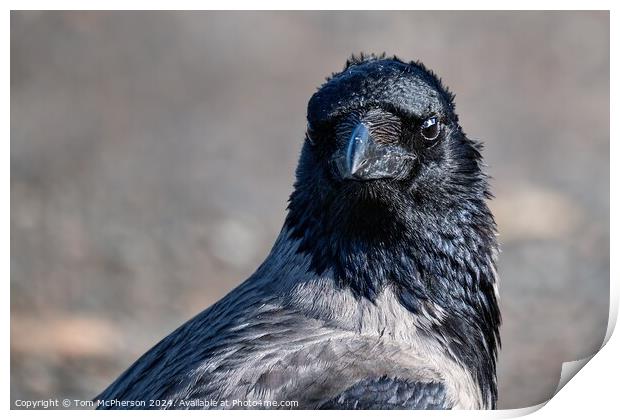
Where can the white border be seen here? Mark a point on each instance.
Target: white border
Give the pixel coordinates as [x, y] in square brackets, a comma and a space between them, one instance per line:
[314, 5]
[593, 393]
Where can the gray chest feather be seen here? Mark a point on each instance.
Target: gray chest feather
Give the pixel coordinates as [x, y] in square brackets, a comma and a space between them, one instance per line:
[313, 346]
[285, 335]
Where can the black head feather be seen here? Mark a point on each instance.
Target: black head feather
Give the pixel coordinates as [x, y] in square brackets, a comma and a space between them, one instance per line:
[427, 233]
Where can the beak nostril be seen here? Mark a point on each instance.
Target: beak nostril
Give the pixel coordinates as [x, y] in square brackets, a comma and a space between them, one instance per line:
[364, 159]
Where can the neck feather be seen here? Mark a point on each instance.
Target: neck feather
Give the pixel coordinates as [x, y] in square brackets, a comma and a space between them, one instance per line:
[426, 258]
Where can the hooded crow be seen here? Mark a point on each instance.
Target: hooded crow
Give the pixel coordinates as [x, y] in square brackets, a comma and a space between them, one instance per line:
[380, 290]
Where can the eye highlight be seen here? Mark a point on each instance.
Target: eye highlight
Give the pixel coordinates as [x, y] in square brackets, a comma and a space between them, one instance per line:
[430, 128]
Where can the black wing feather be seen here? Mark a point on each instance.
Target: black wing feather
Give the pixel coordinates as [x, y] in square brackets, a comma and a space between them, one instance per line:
[390, 394]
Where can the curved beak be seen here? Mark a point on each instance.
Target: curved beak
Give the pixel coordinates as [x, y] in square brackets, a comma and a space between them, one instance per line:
[366, 160]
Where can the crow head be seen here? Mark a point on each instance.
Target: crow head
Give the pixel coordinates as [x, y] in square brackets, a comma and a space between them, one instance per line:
[384, 160]
[384, 121]
[390, 194]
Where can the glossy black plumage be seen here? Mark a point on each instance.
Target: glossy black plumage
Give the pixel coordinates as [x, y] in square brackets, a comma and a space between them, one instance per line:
[433, 226]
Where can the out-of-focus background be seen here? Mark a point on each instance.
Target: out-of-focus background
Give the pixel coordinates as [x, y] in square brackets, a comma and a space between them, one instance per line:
[152, 155]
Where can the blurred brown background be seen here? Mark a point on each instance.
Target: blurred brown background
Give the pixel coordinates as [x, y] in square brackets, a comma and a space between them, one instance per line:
[152, 154]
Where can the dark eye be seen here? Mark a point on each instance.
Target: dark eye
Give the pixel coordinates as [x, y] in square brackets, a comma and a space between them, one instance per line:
[430, 128]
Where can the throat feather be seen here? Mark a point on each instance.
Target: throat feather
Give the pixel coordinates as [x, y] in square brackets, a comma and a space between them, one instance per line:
[440, 269]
